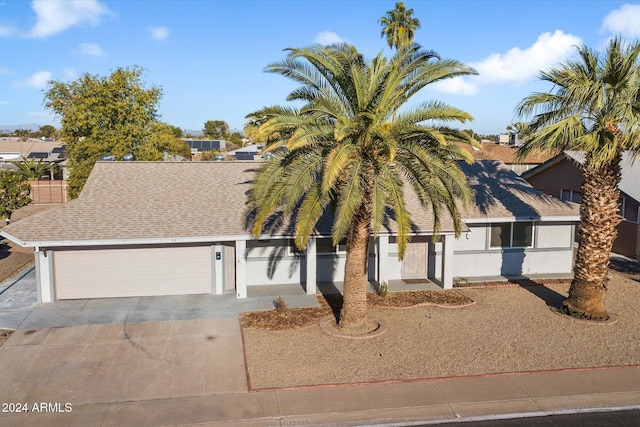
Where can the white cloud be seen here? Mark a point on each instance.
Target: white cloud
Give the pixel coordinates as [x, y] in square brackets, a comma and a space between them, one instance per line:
[37, 81]
[91, 49]
[327, 37]
[457, 85]
[623, 20]
[516, 65]
[54, 16]
[158, 33]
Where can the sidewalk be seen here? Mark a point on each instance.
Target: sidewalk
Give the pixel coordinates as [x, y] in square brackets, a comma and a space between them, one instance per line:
[424, 402]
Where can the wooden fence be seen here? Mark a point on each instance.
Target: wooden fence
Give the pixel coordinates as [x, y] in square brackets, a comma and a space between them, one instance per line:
[48, 192]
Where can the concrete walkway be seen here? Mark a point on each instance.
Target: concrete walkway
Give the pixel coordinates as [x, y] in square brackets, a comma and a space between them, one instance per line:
[161, 361]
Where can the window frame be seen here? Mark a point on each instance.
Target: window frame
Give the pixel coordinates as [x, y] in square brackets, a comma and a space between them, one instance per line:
[623, 211]
[340, 249]
[573, 195]
[511, 232]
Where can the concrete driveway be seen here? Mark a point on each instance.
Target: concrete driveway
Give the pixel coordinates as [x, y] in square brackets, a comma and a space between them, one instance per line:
[88, 352]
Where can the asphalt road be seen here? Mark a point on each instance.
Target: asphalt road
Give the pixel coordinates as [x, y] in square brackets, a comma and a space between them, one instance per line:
[629, 418]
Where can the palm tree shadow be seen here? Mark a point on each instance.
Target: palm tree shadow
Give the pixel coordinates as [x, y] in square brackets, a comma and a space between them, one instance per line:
[552, 298]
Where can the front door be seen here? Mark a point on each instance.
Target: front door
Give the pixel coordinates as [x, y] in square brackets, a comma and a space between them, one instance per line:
[414, 263]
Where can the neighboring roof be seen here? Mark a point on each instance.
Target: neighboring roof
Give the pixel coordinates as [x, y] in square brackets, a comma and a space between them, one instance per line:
[630, 170]
[500, 193]
[27, 147]
[253, 148]
[173, 202]
[493, 151]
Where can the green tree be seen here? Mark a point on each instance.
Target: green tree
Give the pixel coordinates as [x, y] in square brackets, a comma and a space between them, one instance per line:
[398, 26]
[342, 150]
[22, 134]
[176, 131]
[162, 139]
[215, 129]
[31, 169]
[14, 192]
[46, 131]
[114, 114]
[594, 107]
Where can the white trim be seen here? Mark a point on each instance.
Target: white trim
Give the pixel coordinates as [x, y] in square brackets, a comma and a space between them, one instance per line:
[520, 219]
[383, 259]
[44, 275]
[241, 269]
[312, 262]
[447, 262]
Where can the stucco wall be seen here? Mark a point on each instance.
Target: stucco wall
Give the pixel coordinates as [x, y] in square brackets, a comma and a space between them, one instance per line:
[552, 253]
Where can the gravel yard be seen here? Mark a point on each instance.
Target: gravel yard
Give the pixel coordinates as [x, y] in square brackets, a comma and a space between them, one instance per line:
[508, 329]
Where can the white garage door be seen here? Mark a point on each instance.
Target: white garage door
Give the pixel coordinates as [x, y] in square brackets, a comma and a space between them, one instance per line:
[110, 273]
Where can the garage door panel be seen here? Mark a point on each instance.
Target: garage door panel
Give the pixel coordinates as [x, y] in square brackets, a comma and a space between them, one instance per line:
[111, 273]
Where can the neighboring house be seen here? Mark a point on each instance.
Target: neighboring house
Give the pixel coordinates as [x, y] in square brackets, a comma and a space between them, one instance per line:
[250, 152]
[202, 145]
[561, 177]
[507, 155]
[49, 189]
[154, 228]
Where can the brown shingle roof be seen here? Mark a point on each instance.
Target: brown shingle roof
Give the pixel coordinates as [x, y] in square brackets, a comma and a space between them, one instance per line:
[140, 202]
[501, 193]
[492, 151]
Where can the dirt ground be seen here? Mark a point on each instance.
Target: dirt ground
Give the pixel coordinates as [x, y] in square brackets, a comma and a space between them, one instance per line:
[508, 329]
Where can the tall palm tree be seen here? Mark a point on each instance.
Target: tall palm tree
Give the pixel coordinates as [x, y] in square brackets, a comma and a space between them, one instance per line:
[341, 150]
[594, 107]
[398, 26]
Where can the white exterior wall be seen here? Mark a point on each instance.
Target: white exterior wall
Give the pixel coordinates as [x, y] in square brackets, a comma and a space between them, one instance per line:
[272, 262]
[552, 253]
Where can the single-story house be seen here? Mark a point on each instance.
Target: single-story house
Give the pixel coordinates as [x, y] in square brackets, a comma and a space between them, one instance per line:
[561, 176]
[166, 228]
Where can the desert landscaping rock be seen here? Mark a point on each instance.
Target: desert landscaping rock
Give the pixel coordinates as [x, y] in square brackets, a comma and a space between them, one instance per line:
[509, 329]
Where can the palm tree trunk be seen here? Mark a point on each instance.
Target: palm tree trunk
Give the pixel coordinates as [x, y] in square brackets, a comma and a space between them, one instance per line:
[599, 216]
[353, 315]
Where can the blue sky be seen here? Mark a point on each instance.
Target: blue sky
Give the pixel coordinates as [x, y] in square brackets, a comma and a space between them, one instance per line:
[208, 56]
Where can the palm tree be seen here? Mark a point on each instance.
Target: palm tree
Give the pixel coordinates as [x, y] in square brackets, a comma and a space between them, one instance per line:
[398, 26]
[594, 107]
[518, 130]
[341, 150]
[32, 170]
[21, 134]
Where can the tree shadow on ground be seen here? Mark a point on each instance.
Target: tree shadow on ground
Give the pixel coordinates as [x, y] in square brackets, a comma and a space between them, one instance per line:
[334, 301]
[549, 296]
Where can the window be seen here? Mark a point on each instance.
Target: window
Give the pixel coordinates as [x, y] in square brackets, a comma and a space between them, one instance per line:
[325, 246]
[512, 235]
[571, 196]
[293, 249]
[629, 211]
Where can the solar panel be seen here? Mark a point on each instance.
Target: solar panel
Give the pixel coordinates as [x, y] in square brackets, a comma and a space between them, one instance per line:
[38, 155]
